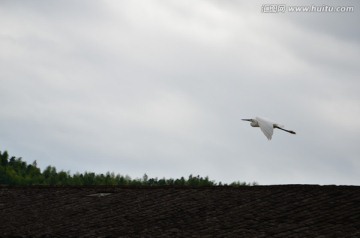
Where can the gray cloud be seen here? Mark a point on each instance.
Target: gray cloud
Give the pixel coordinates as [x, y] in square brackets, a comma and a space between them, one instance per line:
[160, 87]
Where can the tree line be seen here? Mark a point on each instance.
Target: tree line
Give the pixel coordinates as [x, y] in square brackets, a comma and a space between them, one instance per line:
[16, 172]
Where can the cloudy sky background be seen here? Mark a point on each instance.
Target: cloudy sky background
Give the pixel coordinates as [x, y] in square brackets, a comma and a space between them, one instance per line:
[160, 87]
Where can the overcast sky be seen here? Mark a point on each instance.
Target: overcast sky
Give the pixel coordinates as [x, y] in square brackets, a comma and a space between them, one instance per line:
[160, 87]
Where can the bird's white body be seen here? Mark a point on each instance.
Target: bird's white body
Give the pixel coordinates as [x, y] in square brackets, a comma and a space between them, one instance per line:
[266, 126]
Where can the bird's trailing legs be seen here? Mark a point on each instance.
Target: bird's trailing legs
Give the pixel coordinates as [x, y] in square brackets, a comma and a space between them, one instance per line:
[292, 132]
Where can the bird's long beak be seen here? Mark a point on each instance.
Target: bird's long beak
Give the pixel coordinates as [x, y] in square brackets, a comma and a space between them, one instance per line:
[246, 119]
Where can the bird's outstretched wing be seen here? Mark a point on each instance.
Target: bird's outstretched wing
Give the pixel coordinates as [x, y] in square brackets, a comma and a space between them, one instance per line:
[266, 127]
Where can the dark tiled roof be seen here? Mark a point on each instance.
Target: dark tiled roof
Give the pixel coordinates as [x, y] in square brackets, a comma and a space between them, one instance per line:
[259, 211]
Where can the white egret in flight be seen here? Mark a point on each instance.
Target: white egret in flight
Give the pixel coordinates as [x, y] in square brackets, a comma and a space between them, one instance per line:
[266, 126]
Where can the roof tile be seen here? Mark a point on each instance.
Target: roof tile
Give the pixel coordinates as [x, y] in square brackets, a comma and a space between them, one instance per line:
[258, 211]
